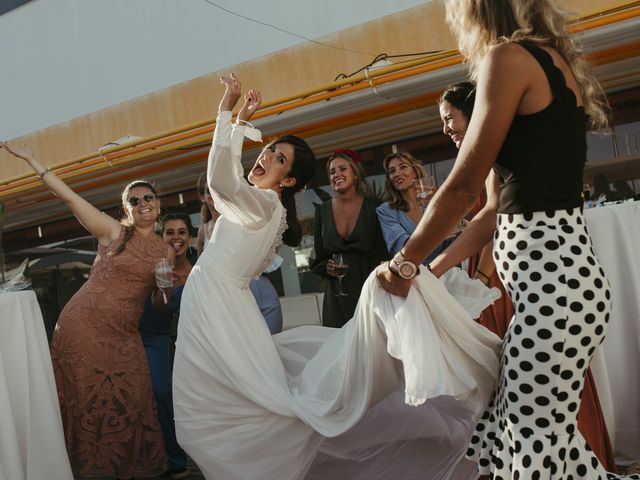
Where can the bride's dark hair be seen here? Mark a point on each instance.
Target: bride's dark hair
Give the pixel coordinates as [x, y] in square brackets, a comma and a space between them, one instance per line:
[303, 169]
[462, 96]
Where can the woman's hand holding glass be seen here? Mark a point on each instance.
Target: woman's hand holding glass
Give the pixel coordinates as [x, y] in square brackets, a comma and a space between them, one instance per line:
[164, 277]
[337, 268]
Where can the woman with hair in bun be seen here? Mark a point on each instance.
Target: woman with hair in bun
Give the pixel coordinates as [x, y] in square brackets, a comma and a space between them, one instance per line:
[263, 290]
[104, 387]
[313, 401]
[346, 224]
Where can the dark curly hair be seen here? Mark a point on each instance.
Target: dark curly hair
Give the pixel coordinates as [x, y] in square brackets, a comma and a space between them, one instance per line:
[177, 215]
[462, 96]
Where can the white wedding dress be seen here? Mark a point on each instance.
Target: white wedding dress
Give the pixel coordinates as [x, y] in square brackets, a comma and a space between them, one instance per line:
[392, 394]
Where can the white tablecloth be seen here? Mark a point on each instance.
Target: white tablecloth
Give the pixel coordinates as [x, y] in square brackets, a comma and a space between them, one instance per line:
[615, 231]
[31, 437]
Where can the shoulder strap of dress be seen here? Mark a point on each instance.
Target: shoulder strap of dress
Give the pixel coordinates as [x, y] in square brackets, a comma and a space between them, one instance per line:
[556, 79]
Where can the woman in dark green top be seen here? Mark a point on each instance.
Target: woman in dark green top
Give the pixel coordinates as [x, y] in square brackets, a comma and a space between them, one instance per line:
[346, 224]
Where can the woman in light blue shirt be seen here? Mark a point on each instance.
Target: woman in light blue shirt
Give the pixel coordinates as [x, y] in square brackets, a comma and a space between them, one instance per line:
[399, 216]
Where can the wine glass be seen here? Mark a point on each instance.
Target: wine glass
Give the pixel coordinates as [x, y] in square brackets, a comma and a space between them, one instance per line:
[425, 188]
[164, 276]
[340, 270]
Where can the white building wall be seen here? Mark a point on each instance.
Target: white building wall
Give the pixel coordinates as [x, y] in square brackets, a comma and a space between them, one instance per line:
[65, 58]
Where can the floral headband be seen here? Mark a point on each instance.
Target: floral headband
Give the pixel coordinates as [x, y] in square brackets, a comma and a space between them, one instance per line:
[352, 154]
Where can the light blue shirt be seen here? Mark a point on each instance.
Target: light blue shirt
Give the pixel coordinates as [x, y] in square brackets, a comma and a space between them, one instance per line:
[397, 227]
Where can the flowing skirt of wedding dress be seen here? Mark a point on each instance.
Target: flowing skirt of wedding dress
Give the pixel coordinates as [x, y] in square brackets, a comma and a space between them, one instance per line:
[393, 394]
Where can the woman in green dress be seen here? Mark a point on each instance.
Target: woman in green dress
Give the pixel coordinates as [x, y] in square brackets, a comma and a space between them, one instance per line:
[346, 224]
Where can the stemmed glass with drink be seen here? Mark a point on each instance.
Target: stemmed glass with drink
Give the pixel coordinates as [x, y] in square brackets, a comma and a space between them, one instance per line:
[339, 270]
[425, 188]
[164, 277]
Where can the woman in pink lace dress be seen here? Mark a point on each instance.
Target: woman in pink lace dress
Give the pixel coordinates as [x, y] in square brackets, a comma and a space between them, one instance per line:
[104, 386]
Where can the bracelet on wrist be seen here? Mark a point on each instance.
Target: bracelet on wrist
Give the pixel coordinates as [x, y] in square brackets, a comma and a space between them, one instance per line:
[245, 122]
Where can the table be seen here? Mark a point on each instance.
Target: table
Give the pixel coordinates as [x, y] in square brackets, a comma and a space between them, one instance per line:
[31, 437]
[615, 231]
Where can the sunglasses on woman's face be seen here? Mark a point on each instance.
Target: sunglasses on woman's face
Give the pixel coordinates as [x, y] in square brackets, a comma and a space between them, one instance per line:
[135, 201]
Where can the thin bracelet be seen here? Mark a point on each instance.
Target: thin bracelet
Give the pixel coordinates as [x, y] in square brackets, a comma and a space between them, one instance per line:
[46, 171]
[245, 122]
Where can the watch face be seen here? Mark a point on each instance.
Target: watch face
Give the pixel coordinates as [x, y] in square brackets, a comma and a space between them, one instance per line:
[407, 270]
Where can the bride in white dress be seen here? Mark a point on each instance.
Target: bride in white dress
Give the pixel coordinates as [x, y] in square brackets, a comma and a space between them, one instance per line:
[393, 394]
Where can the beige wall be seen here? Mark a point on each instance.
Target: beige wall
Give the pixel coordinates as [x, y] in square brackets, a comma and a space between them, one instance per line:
[280, 74]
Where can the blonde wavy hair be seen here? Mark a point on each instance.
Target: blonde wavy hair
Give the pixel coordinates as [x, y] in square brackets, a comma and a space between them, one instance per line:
[481, 24]
[395, 198]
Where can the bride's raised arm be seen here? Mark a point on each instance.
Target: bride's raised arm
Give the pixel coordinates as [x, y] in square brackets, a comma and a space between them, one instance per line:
[234, 198]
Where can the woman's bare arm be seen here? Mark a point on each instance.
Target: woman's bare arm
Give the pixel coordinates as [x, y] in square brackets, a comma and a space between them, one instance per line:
[477, 233]
[99, 224]
[499, 95]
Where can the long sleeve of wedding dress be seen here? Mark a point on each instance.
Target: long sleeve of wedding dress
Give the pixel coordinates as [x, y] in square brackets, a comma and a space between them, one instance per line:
[393, 394]
[234, 197]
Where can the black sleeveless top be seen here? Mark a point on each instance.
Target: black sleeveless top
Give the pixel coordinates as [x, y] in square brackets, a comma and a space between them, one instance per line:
[542, 159]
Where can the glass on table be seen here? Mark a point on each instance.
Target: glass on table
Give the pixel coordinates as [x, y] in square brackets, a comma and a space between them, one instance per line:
[425, 188]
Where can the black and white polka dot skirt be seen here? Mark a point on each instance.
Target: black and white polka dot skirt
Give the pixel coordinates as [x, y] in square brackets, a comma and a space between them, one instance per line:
[562, 301]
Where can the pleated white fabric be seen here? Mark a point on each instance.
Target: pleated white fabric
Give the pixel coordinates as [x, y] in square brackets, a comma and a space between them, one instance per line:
[393, 394]
[32, 443]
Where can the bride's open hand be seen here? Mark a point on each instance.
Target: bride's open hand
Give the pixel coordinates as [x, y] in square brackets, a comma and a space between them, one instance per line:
[22, 152]
[252, 101]
[232, 92]
[392, 283]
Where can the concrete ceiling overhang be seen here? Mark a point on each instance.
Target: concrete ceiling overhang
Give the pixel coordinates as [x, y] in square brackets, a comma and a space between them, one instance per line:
[387, 110]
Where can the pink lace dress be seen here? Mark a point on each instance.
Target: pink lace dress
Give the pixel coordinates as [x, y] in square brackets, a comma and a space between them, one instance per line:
[104, 386]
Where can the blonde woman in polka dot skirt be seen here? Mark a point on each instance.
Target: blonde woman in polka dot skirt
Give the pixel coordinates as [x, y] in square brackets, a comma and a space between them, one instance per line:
[536, 98]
